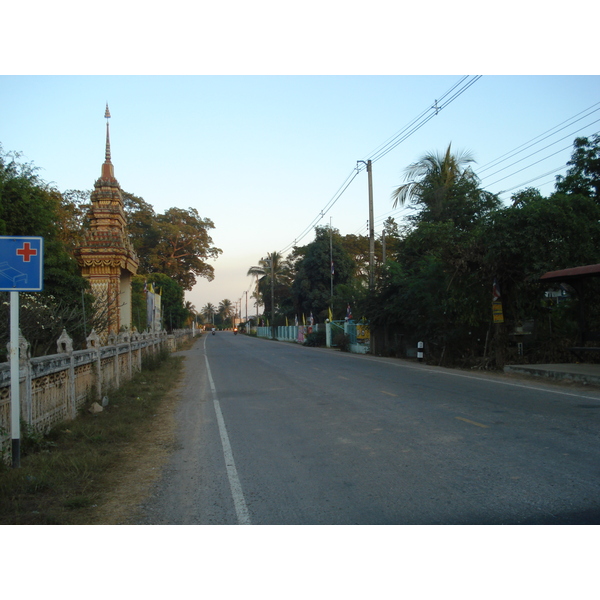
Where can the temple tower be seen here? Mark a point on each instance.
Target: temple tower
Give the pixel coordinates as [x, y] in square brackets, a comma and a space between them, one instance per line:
[107, 258]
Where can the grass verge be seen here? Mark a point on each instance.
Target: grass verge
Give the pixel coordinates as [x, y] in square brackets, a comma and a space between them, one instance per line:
[66, 474]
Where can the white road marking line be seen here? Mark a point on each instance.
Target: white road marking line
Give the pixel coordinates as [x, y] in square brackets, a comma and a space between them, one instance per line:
[239, 502]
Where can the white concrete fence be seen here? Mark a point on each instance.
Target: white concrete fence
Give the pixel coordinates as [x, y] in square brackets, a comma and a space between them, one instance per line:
[54, 387]
[295, 333]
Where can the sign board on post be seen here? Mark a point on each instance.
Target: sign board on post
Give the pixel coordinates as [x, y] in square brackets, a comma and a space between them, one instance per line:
[21, 270]
[497, 313]
[21, 264]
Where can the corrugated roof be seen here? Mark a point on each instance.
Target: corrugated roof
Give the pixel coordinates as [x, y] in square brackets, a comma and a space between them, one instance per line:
[573, 273]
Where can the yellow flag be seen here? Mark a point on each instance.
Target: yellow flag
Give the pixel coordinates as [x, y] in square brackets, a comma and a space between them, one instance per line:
[286, 322]
[330, 315]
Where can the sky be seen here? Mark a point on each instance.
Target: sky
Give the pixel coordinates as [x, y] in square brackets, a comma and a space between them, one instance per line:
[266, 157]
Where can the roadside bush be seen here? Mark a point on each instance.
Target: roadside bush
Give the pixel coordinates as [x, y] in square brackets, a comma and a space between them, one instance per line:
[315, 339]
[342, 341]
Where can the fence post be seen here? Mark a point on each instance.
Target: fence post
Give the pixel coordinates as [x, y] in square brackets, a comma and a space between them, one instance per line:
[65, 346]
[93, 341]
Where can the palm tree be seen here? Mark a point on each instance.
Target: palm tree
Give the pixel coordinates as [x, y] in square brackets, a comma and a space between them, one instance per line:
[226, 309]
[281, 275]
[430, 180]
[191, 312]
[208, 312]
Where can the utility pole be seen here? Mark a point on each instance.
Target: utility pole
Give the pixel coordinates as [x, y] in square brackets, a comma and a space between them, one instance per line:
[272, 295]
[331, 253]
[272, 298]
[371, 225]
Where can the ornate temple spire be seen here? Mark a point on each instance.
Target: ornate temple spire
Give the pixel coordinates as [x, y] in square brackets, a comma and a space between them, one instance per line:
[107, 117]
[106, 257]
[108, 172]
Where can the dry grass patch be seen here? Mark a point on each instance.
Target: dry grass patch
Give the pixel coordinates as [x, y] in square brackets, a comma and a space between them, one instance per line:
[96, 469]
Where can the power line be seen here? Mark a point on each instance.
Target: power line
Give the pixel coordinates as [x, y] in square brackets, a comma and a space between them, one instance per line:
[521, 148]
[534, 179]
[532, 164]
[420, 121]
[517, 150]
[325, 210]
[388, 146]
[540, 150]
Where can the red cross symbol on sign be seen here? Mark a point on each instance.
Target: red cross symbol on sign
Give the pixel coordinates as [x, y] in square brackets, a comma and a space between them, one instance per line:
[27, 252]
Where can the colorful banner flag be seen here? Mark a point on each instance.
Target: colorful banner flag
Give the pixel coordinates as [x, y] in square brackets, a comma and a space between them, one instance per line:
[348, 313]
[495, 292]
[330, 314]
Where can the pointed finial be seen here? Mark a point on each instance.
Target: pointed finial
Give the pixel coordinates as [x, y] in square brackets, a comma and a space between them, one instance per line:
[107, 168]
[107, 153]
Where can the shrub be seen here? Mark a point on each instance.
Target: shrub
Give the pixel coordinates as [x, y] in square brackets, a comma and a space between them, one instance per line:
[314, 339]
[342, 341]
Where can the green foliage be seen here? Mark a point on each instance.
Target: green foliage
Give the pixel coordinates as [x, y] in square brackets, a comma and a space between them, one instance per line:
[29, 206]
[311, 290]
[436, 285]
[278, 270]
[535, 236]
[176, 243]
[444, 188]
[583, 177]
[315, 339]
[174, 312]
[342, 341]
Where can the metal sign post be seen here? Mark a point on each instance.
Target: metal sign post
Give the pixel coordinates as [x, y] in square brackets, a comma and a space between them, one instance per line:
[21, 270]
[15, 404]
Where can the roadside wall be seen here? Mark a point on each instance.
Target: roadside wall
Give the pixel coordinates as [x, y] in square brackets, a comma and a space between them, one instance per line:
[54, 387]
[359, 340]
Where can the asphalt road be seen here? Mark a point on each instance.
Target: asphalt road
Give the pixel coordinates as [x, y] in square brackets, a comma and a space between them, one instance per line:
[276, 433]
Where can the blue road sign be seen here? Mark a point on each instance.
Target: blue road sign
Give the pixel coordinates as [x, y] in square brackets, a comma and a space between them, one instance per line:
[21, 264]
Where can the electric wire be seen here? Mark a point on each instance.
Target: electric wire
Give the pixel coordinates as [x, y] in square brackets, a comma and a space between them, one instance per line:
[534, 179]
[517, 150]
[402, 135]
[387, 147]
[324, 211]
[532, 164]
[521, 148]
[540, 150]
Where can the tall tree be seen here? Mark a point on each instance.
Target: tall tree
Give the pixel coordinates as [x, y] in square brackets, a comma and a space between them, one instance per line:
[30, 206]
[226, 311]
[174, 311]
[208, 312]
[176, 243]
[183, 247]
[311, 289]
[444, 187]
[584, 175]
[279, 273]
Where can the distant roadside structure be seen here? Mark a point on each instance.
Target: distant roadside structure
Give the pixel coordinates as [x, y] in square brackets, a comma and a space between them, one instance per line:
[107, 258]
